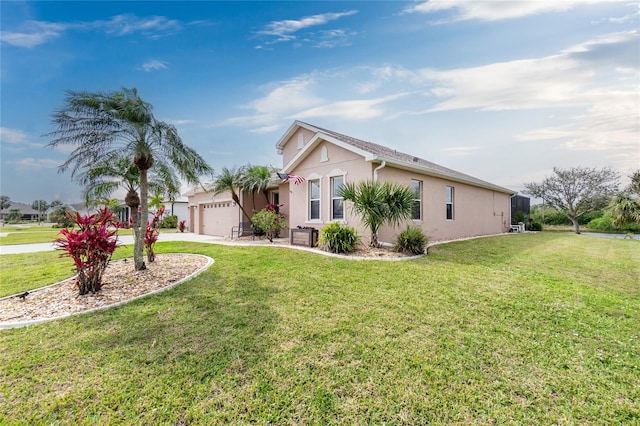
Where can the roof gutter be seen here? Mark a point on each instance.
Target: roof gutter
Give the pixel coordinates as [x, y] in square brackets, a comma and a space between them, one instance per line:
[380, 167]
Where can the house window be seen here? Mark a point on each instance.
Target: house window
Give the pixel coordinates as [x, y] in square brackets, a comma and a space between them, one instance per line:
[314, 199]
[416, 211]
[337, 202]
[449, 202]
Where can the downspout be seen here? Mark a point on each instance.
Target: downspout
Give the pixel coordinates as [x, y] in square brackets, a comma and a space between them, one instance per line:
[375, 171]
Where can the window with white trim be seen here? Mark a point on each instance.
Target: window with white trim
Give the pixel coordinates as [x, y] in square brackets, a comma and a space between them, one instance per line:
[337, 202]
[314, 199]
[449, 192]
[416, 210]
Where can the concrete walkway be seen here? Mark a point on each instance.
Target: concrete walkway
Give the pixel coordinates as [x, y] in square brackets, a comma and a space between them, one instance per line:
[123, 240]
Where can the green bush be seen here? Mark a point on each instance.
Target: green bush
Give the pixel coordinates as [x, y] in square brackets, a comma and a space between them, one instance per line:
[535, 226]
[269, 222]
[601, 224]
[338, 239]
[170, 222]
[411, 241]
[605, 223]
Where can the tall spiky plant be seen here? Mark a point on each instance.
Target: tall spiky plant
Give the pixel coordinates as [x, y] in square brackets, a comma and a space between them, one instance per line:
[378, 203]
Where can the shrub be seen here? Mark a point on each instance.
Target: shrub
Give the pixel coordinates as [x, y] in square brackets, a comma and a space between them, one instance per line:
[169, 222]
[90, 247]
[338, 239]
[62, 216]
[605, 223]
[269, 222]
[182, 225]
[535, 226]
[411, 241]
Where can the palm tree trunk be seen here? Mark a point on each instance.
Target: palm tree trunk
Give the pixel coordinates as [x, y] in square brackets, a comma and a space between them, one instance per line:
[237, 200]
[138, 246]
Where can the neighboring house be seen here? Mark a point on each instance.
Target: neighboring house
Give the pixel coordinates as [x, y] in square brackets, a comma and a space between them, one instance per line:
[448, 204]
[28, 213]
[179, 207]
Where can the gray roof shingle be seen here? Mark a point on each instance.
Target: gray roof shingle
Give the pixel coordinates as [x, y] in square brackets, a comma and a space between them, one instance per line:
[407, 160]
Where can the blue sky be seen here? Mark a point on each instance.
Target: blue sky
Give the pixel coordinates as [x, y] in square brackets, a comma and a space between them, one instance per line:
[503, 91]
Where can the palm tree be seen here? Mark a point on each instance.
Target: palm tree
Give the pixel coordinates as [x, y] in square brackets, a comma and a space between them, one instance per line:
[230, 180]
[377, 203]
[104, 126]
[257, 179]
[157, 200]
[625, 208]
[104, 177]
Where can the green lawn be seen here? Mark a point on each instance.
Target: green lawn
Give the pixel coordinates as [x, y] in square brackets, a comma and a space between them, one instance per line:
[35, 235]
[520, 329]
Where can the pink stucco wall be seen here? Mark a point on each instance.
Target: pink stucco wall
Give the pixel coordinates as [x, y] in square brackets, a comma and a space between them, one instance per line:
[478, 211]
[217, 214]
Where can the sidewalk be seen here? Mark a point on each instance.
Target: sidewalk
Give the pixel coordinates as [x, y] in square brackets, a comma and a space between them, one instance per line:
[123, 240]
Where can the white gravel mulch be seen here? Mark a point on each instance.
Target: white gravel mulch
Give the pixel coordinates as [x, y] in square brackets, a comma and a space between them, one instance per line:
[120, 283]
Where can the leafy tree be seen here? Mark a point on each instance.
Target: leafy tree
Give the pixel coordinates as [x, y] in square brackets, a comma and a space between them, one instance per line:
[55, 203]
[269, 222]
[231, 180]
[577, 191]
[377, 203]
[61, 216]
[40, 205]
[5, 202]
[257, 179]
[625, 207]
[107, 126]
[14, 214]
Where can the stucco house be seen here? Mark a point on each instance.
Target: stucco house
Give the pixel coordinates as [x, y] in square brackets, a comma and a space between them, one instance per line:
[449, 204]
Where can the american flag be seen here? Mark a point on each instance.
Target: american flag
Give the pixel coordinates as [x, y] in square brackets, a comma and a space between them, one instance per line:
[286, 177]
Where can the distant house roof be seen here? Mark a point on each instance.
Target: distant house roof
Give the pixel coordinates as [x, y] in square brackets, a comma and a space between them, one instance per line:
[378, 153]
[24, 208]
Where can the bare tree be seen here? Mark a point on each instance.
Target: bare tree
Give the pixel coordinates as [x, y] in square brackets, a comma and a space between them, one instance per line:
[576, 191]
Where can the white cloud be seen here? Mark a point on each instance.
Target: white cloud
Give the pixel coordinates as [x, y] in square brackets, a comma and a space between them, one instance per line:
[353, 110]
[265, 129]
[460, 151]
[496, 10]
[282, 99]
[18, 139]
[553, 81]
[126, 24]
[285, 30]
[32, 164]
[154, 65]
[35, 34]
[179, 122]
[610, 124]
[12, 136]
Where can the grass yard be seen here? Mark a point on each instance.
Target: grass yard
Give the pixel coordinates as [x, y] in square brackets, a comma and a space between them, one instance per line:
[520, 329]
[35, 235]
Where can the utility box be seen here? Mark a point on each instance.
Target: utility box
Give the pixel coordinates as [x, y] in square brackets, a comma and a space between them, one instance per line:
[307, 237]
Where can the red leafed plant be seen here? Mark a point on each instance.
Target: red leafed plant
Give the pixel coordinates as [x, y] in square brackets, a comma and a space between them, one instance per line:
[181, 225]
[90, 246]
[151, 235]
